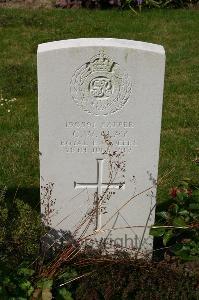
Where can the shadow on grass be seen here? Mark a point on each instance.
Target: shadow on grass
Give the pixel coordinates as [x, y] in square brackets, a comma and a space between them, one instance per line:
[30, 196]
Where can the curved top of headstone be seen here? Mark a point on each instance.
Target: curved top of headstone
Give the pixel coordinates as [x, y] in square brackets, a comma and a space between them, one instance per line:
[105, 42]
[100, 104]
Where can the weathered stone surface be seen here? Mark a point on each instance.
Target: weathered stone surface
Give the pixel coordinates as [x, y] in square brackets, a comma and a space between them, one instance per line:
[100, 103]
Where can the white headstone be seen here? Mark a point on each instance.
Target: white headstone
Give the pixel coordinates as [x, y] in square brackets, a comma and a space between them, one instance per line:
[100, 103]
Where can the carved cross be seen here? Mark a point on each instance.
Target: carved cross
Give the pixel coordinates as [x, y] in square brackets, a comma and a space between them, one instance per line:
[99, 186]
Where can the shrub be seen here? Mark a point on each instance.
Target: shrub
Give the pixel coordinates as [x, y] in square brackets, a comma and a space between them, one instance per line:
[177, 221]
[132, 4]
[20, 230]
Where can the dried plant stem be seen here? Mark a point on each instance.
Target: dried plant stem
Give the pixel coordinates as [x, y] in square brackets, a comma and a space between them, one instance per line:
[76, 278]
[127, 202]
[145, 230]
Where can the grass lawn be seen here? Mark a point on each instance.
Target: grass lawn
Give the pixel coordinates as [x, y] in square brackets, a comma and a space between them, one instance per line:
[20, 33]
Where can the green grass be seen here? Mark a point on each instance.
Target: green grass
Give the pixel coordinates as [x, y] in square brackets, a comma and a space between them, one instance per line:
[20, 33]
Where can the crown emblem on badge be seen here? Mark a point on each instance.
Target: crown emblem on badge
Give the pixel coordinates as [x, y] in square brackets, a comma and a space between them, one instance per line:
[101, 63]
[100, 87]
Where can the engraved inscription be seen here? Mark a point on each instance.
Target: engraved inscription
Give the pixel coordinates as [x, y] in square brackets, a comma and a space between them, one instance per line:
[99, 186]
[87, 137]
[99, 87]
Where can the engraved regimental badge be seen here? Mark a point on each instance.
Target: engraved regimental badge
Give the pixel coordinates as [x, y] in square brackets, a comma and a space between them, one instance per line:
[99, 87]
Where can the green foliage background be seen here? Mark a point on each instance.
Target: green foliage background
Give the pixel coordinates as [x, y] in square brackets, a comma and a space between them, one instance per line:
[20, 33]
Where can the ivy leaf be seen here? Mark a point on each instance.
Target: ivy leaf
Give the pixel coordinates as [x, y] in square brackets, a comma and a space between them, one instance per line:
[6, 280]
[181, 196]
[183, 252]
[163, 214]
[179, 221]
[177, 247]
[167, 236]
[157, 232]
[45, 283]
[186, 182]
[194, 206]
[63, 294]
[183, 212]
[25, 271]
[25, 285]
[175, 208]
[195, 195]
